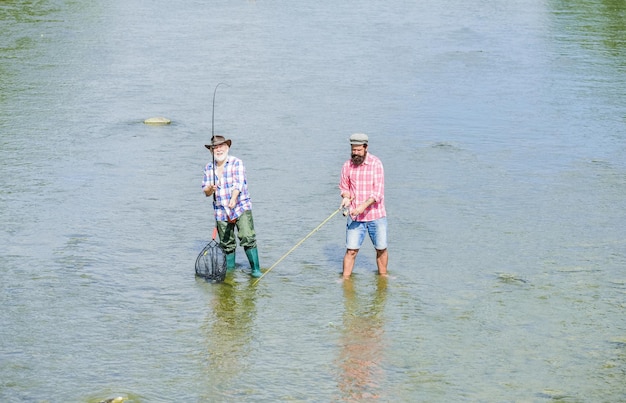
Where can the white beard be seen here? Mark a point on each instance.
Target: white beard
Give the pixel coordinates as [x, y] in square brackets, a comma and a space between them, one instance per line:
[221, 157]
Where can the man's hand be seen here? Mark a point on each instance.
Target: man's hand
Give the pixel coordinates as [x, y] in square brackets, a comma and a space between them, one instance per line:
[362, 207]
[209, 190]
[345, 206]
[357, 210]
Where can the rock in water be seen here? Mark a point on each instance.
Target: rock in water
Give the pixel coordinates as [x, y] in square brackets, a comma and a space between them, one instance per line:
[157, 121]
[119, 399]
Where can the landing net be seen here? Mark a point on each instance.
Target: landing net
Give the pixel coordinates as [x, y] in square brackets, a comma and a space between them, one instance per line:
[211, 263]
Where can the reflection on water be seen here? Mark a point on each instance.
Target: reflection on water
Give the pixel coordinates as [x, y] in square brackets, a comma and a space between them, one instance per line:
[362, 343]
[228, 329]
[594, 23]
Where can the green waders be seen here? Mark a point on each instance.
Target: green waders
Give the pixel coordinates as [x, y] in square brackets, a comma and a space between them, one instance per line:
[253, 258]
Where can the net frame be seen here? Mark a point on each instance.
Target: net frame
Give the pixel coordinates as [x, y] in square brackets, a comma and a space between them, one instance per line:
[211, 262]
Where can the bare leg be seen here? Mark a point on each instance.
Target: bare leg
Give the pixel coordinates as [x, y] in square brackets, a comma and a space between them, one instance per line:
[348, 262]
[381, 261]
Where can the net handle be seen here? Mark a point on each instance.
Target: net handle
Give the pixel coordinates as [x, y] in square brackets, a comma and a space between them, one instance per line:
[214, 233]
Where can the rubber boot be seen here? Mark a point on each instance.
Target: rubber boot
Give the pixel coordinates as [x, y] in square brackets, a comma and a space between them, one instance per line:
[230, 261]
[253, 258]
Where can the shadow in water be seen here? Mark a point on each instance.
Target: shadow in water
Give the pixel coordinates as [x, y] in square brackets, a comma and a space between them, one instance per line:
[228, 332]
[362, 343]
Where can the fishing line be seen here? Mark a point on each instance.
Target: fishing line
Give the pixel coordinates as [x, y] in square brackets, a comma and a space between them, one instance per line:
[298, 244]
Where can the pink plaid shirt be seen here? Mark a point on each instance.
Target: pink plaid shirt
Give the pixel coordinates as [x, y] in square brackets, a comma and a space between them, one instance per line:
[362, 182]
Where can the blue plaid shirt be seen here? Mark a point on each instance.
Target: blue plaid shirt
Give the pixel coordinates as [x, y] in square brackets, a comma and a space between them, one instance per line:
[233, 177]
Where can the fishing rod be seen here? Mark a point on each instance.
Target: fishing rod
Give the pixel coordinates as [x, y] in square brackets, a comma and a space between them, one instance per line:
[298, 244]
[213, 113]
[213, 136]
[211, 262]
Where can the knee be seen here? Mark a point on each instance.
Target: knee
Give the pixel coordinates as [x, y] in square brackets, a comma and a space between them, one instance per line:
[248, 242]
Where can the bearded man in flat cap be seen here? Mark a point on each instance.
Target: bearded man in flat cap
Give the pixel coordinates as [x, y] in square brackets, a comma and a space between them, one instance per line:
[362, 186]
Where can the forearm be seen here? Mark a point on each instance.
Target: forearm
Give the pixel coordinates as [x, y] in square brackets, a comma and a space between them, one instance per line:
[367, 203]
[233, 198]
[359, 209]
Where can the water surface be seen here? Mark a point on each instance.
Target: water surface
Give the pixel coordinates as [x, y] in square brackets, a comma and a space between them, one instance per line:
[501, 127]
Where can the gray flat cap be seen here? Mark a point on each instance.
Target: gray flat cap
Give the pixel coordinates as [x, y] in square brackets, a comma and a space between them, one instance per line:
[358, 139]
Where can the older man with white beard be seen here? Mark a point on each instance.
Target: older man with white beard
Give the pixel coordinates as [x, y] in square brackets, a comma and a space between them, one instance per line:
[225, 180]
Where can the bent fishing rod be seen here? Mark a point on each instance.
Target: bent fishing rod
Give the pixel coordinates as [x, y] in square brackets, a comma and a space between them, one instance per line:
[298, 244]
[213, 136]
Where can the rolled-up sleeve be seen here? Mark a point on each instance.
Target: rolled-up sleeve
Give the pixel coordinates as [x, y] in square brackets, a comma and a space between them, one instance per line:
[378, 183]
[344, 180]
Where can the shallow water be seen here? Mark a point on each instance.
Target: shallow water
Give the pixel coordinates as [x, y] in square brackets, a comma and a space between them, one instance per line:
[501, 128]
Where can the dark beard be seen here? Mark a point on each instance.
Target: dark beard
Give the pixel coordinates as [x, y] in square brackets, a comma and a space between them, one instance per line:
[357, 159]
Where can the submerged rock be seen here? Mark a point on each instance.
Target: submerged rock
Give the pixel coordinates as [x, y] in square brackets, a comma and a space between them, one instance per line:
[510, 278]
[119, 399]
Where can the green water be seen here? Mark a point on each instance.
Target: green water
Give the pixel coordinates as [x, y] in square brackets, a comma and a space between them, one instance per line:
[501, 128]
